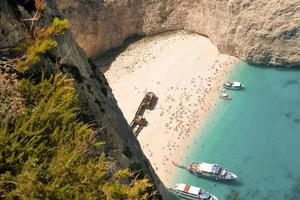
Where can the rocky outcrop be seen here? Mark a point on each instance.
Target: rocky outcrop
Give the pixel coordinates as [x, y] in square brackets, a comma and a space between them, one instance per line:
[257, 31]
[97, 101]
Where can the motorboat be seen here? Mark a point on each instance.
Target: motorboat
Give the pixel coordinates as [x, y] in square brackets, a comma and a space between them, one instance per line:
[210, 170]
[192, 192]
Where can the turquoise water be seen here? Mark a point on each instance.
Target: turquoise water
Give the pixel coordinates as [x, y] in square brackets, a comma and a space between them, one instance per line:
[256, 136]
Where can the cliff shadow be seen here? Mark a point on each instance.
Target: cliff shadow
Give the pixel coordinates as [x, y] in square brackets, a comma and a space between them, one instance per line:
[104, 61]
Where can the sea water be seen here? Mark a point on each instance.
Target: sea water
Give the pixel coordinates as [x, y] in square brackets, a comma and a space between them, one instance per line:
[256, 135]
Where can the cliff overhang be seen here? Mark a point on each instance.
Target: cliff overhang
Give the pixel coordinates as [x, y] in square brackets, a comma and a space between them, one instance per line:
[256, 31]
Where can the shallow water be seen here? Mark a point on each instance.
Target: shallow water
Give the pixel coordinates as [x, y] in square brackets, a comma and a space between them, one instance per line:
[256, 136]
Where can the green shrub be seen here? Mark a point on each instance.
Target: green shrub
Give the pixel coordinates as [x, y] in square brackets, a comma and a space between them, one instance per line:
[45, 153]
[40, 43]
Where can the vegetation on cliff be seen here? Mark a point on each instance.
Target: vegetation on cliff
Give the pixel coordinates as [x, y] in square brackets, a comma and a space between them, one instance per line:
[45, 152]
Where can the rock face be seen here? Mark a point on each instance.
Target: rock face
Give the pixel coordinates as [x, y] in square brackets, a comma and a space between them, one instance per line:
[257, 31]
[97, 101]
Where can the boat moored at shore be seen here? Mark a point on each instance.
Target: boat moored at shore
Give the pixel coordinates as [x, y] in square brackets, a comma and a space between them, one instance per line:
[233, 85]
[211, 170]
[225, 96]
[191, 192]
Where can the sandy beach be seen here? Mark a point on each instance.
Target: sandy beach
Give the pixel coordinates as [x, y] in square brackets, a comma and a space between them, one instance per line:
[186, 72]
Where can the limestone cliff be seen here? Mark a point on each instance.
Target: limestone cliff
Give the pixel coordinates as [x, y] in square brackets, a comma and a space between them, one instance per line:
[257, 31]
[97, 101]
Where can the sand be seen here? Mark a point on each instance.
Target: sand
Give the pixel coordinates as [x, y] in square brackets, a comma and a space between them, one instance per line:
[186, 72]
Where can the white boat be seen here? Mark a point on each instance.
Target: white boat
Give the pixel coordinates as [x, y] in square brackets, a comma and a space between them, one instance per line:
[211, 170]
[225, 96]
[191, 192]
[233, 85]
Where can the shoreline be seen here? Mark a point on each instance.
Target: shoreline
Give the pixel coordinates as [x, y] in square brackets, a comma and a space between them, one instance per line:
[184, 158]
[186, 72]
[213, 96]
